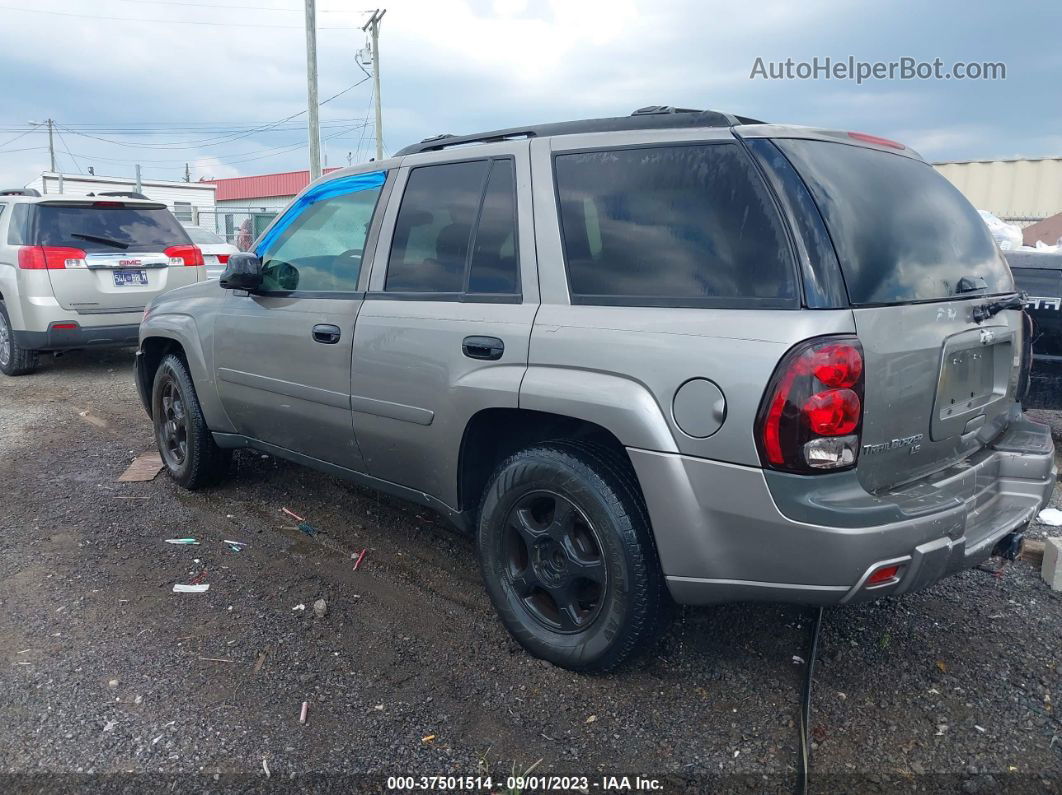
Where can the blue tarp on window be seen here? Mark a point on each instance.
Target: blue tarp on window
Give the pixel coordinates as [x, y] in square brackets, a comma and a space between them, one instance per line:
[326, 190]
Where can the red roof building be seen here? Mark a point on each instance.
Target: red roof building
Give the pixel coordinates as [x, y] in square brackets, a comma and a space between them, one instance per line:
[263, 190]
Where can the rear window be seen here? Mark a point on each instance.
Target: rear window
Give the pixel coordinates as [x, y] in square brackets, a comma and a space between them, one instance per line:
[684, 225]
[902, 232]
[102, 229]
[204, 236]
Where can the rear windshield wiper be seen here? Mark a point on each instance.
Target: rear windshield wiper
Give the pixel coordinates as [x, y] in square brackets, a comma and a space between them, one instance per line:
[107, 241]
[985, 311]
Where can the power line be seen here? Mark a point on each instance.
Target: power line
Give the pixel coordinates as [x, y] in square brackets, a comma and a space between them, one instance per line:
[219, 5]
[167, 21]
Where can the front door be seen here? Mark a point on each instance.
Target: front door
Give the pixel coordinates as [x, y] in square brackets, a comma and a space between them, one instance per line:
[445, 327]
[282, 354]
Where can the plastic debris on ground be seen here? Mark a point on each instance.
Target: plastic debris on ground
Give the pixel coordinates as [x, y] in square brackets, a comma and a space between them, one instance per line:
[235, 546]
[144, 467]
[302, 713]
[197, 588]
[304, 526]
[361, 557]
[298, 608]
[1050, 516]
[188, 541]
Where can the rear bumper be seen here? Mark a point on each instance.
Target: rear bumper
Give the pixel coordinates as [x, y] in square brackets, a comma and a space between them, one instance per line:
[59, 339]
[726, 533]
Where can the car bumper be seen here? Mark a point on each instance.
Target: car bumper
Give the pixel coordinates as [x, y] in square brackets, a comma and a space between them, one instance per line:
[59, 339]
[729, 533]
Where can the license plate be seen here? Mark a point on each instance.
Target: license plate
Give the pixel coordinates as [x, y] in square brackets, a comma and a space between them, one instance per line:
[129, 278]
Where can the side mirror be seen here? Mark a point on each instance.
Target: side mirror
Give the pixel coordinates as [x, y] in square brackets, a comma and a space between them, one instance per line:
[243, 272]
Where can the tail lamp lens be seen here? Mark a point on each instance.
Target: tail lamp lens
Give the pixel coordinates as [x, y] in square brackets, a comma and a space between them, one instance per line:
[184, 255]
[50, 258]
[813, 408]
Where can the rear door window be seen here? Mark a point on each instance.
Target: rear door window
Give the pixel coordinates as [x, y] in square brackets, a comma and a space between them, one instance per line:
[456, 232]
[902, 232]
[682, 225]
[104, 229]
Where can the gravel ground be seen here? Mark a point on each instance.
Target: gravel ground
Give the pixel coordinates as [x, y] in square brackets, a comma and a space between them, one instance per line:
[106, 671]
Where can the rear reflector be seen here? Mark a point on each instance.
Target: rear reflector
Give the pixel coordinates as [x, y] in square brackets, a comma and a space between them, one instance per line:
[64, 325]
[33, 258]
[883, 575]
[184, 255]
[873, 139]
[223, 259]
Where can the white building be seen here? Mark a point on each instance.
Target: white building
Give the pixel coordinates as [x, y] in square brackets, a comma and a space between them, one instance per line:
[1020, 190]
[185, 199]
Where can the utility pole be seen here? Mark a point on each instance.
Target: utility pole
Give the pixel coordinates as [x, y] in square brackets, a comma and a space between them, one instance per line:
[139, 188]
[373, 26]
[311, 89]
[51, 143]
[187, 173]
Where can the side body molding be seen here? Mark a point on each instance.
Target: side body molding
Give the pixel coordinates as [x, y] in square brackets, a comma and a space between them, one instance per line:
[620, 405]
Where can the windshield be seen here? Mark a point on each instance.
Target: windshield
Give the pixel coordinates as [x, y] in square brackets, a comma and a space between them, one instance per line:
[903, 233]
[107, 229]
[203, 236]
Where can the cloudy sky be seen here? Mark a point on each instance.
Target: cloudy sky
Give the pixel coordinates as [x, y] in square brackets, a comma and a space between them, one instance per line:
[217, 83]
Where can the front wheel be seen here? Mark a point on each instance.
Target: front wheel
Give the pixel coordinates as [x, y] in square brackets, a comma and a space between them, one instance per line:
[188, 450]
[568, 557]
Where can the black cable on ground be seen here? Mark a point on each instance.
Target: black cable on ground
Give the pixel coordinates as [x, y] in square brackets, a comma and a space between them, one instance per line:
[805, 707]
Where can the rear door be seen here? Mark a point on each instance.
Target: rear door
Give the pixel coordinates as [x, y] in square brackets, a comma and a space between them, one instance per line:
[112, 256]
[445, 328]
[917, 260]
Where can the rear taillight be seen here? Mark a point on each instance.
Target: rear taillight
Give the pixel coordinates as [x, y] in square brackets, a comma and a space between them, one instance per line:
[184, 255]
[223, 259]
[33, 258]
[812, 412]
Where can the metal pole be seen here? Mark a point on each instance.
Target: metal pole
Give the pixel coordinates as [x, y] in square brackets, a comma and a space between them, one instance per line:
[375, 21]
[51, 145]
[138, 188]
[311, 90]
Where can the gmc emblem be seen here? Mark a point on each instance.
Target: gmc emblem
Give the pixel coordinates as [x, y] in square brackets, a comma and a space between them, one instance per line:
[129, 262]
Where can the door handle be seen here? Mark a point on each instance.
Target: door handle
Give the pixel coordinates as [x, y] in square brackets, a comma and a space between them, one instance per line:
[490, 348]
[326, 333]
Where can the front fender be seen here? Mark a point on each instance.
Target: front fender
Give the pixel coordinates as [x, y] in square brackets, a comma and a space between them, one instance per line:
[621, 405]
[182, 329]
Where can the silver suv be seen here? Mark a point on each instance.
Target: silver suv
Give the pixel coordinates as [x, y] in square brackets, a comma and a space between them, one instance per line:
[77, 272]
[681, 356]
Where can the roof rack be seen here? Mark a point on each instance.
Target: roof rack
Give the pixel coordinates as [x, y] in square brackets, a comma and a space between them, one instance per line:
[19, 192]
[649, 118]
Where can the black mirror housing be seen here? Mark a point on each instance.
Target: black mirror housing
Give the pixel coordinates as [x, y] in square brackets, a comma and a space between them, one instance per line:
[243, 272]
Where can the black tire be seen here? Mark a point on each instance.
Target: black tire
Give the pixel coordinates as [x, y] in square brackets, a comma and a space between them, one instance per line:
[584, 598]
[188, 450]
[14, 359]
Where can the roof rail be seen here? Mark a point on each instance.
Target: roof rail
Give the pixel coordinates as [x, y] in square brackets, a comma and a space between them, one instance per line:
[19, 192]
[649, 118]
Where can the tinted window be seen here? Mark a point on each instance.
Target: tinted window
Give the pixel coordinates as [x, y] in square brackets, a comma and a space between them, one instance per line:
[321, 250]
[901, 230]
[107, 228]
[689, 225]
[493, 268]
[429, 250]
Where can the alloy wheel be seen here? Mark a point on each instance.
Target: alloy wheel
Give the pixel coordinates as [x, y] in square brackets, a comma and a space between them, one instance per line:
[173, 425]
[554, 562]
[5, 341]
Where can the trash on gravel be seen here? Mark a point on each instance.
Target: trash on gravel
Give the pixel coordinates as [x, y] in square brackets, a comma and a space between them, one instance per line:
[798, 660]
[320, 608]
[198, 578]
[299, 607]
[216, 659]
[235, 544]
[1050, 516]
[591, 719]
[144, 467]
[942, 666]
[361, 557]
[304, 526]
[302, 713]
[199, 588]
[427, 739]
[112, 684]
[189, 541]
[265, 767]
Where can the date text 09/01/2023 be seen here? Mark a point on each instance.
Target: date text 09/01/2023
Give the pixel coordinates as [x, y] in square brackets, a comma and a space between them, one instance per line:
[524, 783]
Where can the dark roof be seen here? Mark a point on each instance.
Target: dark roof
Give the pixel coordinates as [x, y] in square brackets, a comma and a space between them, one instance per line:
[1048, 230]
[654, 117]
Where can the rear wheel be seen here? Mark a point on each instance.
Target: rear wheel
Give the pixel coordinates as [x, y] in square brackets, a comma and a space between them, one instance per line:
[14, 359]
[568, 557]
[186, 445]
